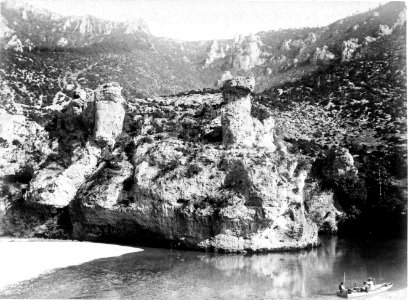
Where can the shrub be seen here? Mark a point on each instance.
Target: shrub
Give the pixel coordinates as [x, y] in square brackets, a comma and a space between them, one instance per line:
[193, 170]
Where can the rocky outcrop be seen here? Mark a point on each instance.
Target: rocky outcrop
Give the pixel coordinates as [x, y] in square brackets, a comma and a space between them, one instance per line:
[384, 30]
[178, 190]
[323, 56]
[321, 208]
[348, 48]
[135, 26]
[311, 38]
[24, 144]
[224, 77]
[215, 51]
[402, 19]
[15, 44]
[5, 31]
[246, 52]
[56, 185]
[62, 42]
[339, 173]
[339, 162]
[109, 114]
[196, 171]
[239, 127]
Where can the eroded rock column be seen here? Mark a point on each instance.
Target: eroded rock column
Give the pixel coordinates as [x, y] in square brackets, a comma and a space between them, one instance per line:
[242, 124]
[237, 125]
[109, 113]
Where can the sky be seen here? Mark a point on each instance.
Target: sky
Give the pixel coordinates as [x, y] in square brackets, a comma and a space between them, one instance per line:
[212, 19]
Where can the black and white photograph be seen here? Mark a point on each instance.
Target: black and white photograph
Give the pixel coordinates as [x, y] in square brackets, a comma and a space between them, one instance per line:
[203, 149]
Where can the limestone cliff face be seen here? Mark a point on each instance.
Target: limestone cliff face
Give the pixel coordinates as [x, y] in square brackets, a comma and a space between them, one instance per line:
[242, 53]
[246, 52]
[55, 184]
[242, 193]
[201, 171]
[215, 51]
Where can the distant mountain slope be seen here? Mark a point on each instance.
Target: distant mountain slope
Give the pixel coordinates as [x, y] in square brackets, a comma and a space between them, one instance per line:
[146, 65]
[37, 28]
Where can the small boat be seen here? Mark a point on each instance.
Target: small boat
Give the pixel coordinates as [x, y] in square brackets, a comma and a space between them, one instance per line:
[377, 288]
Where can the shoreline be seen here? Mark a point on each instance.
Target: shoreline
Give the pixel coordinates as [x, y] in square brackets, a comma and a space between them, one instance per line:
[24, 259]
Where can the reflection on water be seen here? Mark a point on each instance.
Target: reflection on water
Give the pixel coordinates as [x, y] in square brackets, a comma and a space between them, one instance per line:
[166, 274]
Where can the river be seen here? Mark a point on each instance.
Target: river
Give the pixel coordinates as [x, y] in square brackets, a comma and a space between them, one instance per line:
[173, 274]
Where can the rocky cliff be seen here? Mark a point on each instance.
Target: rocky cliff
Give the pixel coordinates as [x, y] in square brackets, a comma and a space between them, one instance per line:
[231, 195]
[69, 168]
[201, 171]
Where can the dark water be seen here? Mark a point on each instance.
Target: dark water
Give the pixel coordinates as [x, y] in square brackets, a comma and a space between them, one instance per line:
[166, 274]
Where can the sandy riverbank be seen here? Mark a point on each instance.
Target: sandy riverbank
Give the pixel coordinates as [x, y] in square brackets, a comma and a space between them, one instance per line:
[22, 259]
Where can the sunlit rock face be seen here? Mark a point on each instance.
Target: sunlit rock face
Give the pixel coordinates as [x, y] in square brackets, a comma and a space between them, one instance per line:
[215, 51]
[56, 187]
[15, 44]
[56, 184]
[171, 187]
[109, 114]
[239, 127]
[236, 119]
[246, 52]
[201, 171]
[323, 56]
[348, 48]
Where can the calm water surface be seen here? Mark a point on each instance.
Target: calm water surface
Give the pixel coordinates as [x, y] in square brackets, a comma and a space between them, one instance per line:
[166, 274]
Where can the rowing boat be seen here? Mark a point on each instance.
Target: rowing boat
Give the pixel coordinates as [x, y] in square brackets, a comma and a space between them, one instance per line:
[378, 288]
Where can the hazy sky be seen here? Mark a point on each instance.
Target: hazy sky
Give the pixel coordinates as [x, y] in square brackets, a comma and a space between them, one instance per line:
[211, 19]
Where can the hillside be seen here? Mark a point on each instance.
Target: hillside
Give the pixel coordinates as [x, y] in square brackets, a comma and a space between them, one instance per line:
[145, 65]
[360, 105]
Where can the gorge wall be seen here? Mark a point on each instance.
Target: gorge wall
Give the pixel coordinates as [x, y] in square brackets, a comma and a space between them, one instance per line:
[202, 171]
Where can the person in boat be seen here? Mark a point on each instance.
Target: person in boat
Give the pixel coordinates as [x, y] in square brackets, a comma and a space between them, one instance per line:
[364, 288]
[370, 284]
[342, 288]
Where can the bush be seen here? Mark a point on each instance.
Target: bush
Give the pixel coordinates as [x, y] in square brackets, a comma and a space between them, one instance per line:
[193, 170]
